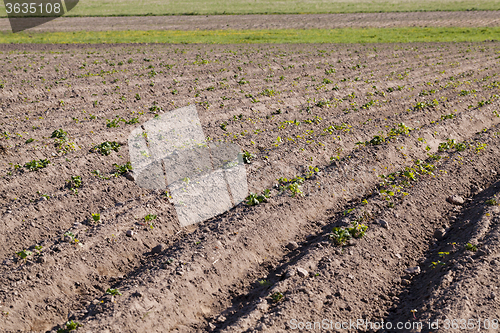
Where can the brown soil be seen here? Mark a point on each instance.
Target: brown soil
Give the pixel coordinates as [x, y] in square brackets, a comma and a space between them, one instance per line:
[293, 107]
[320, 21]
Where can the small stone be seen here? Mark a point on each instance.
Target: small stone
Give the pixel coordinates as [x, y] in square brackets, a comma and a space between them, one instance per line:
[439, 234]
[181, 273]
[405, 282]
[158, 248]
[302, 272]
[494, 262]
[292, 246]
[130, 233]
[456, 200]
[413, 270]
[67, 239]
[290, 273]
[212, 326]
[493, 295]
[129, 175]
[345, 222]
[384, 223]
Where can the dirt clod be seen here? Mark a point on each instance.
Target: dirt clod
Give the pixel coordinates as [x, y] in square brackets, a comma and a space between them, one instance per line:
[413, 270]
[439, 234]
[130, 176]
[302, 272]
[292, 246]
[384, 223]
[456, 200]
[158, 249]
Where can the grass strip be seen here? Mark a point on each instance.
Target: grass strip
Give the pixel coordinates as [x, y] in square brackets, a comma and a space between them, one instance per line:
[217, 7]
[286, 36]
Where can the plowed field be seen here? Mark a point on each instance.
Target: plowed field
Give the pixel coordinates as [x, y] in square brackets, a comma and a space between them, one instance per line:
[382, 164]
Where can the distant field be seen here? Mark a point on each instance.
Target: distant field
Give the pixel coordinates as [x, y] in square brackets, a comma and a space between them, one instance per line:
[346, 35]
[202, 7]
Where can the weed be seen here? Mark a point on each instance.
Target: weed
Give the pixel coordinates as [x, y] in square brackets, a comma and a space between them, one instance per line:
[254, 199]
[96, 217]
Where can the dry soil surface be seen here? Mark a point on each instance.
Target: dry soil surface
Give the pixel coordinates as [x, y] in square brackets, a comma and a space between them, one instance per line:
[320, 21]
[403, 139]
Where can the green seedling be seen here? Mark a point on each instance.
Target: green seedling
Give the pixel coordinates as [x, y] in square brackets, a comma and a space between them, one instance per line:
[106, 147]
[38, 249]
[112, 123]
[71, 236]
[492, 202]
[114, 292]
[340, 236]
[471, 247]
[132, 121]
[35, 165]
[295, 189]
[29, 140]
[148, 219]
[254, 199]
[43, 195]
[277, 296]
[121, 169]
[24, 254]
[443, 254]
[74, 183]
[96, 217]
[434, 264]
[60, 134]
[70, 326]
[377, 140]
[265, 283]
[97, 173]
[247, 156]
